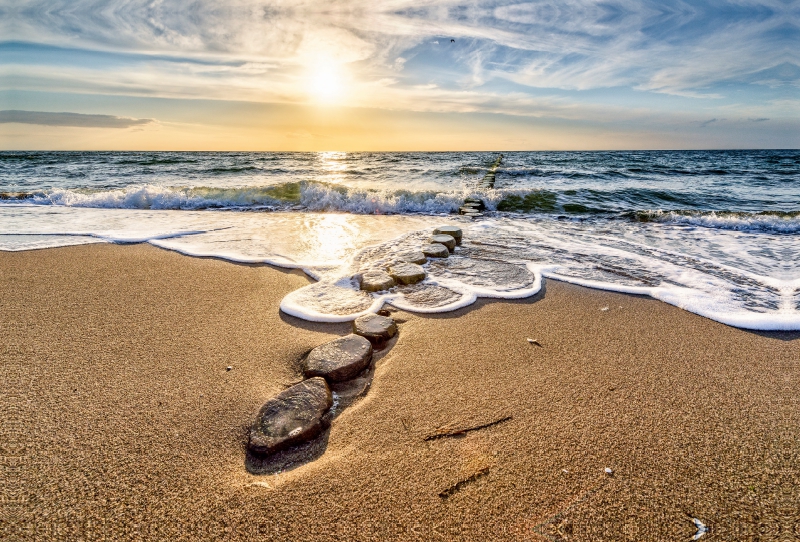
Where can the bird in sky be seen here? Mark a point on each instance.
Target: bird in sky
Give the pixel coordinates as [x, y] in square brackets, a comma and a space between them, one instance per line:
[452, 40]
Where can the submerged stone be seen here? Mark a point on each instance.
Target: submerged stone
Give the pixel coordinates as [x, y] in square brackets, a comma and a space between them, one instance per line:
[340, 359]
[447, 240]
[407, 273]
[453, 231]
[414, 256]
[294, 416]
[435, 250]
[375, 281]
[376, 329]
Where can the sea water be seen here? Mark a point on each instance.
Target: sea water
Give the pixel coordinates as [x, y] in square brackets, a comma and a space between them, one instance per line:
[716, 233]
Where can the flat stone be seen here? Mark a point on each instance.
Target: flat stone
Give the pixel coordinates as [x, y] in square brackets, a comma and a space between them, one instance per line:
[407, 273]
[414, 256]
[435, 250]
[376, 329]
[375, 281]
[447, 240]
[339, 360]
[292, 417]
[453, 231]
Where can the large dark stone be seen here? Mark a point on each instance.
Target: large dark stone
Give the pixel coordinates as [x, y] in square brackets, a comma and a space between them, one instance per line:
[292, 417]
[407, 273]
[376, 329]
[453, 231]
[340, 359]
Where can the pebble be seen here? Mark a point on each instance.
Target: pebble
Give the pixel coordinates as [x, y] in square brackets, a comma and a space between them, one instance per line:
[608, 471]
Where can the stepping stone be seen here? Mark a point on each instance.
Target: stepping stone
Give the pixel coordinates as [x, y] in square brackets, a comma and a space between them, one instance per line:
[446, 240]
[375, 281]
[292, 417]
[407, 273]
[476, 203]
[376, 329]
[414, 256]
[435, 250]
[339, 360]
[453, 231]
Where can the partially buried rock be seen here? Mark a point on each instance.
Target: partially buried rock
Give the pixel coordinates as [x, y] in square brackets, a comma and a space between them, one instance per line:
[454, 231]
[376, 329]
[414, 256]
[292, 417]
[407, 273]
[375, 281]
[435, 250]
[339, 360]
[447, 240]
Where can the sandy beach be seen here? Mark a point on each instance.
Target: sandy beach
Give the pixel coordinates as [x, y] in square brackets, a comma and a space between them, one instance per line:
[121, 422]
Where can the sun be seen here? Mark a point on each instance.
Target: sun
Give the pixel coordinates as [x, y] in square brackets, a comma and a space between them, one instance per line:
[326, 83]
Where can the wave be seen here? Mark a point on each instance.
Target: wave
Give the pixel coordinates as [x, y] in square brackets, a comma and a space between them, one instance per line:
[765, 221]
[637, 204]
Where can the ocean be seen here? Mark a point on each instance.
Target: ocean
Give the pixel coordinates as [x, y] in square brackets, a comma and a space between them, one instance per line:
[716, 233]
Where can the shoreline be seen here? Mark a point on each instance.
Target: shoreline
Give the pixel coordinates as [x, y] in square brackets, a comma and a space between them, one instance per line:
[123, 422]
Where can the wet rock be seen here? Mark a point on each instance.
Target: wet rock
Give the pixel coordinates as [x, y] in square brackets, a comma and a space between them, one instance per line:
[435, 250]
[375, 281]
[407, 273]
[453, 231]
[376, 329]
[339, 360]
[414, 256]
[475, 203]
[446, 240]
[292, 417]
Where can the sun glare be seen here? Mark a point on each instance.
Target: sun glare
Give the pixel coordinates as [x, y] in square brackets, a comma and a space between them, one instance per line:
[326, 83]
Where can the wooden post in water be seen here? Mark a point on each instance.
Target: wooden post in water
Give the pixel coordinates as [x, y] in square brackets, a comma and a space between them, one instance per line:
[473, 207]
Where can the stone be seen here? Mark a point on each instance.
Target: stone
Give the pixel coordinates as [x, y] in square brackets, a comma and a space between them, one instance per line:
[475, 203]
[453, 231]
[407, 273]
[376, 329]
[446, 240]
[340, 359]
[435, 250]
[294, 416]
[375, 281]
[414, 256]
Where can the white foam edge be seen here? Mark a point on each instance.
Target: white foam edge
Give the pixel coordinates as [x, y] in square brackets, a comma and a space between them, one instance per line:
[469, 294]
[744, 320]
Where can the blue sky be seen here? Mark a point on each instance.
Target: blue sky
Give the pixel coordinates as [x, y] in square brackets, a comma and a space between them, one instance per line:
[398, 74]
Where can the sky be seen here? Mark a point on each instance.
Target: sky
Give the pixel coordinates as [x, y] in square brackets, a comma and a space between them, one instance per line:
[398, 74]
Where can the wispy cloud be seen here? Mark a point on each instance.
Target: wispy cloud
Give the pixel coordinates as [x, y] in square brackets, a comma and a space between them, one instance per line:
[69, 119]
[508, 56]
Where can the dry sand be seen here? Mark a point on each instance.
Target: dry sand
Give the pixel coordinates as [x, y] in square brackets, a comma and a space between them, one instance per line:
[119, 420]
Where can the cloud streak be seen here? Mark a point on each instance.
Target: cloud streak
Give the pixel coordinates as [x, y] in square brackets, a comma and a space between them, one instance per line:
[79, 120]
[512, 57]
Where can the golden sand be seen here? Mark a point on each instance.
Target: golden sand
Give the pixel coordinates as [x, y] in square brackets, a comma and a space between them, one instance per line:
[120, 420]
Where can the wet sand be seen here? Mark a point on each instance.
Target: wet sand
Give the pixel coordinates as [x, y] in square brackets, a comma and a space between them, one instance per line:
[120, 420]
